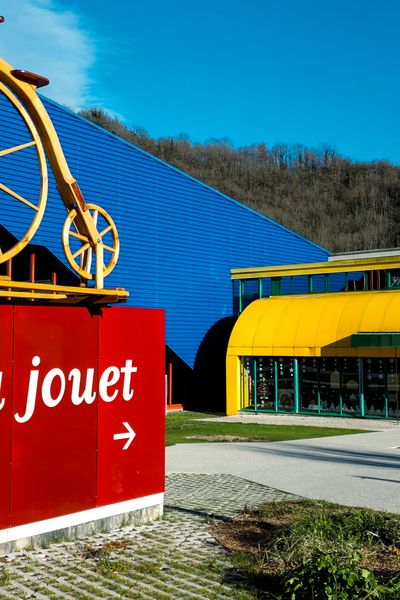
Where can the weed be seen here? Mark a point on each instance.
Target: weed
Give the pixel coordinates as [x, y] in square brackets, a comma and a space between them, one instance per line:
[325, 576]
[30, 546]
[4, 576]
[90, 551]
[107, 566]
[147, 568]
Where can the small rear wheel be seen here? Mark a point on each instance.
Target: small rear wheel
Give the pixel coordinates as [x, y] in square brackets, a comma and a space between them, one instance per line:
[79, 249]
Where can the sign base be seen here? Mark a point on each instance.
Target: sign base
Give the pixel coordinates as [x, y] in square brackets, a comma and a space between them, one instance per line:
[80, 525]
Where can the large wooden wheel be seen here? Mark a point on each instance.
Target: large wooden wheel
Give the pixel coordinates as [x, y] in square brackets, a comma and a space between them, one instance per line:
[79, 249]
[27, 209]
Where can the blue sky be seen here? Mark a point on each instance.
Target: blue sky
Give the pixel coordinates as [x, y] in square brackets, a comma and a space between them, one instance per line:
[273, 71]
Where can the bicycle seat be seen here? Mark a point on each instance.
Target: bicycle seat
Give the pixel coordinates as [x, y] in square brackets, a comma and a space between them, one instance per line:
[28, 77]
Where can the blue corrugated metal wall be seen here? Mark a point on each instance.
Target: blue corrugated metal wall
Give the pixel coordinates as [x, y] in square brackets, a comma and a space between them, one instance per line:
[179, 238]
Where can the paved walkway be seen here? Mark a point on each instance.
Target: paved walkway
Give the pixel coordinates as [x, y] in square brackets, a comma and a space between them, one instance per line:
[173, 558]
[357, 470]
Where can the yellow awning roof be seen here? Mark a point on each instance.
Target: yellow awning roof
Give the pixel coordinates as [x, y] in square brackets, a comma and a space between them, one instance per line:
[315, 325]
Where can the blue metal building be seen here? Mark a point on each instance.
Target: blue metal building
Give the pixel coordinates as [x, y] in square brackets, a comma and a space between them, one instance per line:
[179, 237]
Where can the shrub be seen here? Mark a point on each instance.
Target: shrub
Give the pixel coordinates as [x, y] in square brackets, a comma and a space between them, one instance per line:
[325, 578]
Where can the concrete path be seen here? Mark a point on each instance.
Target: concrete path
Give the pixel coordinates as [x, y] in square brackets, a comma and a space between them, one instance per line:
[356, 470]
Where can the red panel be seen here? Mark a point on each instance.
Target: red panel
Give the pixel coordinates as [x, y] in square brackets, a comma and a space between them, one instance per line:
[135, 335]
[54, 451]
[6, 323]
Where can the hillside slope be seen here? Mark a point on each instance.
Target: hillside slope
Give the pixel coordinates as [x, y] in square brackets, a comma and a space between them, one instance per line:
[338, 203]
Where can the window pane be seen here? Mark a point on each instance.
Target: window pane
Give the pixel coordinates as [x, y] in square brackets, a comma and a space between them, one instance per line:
[287, 286]
[300, 284]
[265, 383]
[318, 283]
[309, 384]
[247, 378]
[236, 291]
[394, 280]
[285, 383]
[374, 386]
[350, 386]
[266, 287]
[393, 386]
[337, 282]
[250, 291]
[357, 281]
[329, 385]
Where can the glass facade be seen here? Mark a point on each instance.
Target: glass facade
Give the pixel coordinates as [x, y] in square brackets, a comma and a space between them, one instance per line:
[344, 386]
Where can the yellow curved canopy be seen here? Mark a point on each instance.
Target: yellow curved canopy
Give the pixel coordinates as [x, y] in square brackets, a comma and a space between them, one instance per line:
[316, 325]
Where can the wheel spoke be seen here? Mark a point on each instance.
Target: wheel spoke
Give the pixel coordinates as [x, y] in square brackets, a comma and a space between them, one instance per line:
[81, 250]
[16, 148]
[84, 238]
[106, 230]
[109, 248]
[18, 197]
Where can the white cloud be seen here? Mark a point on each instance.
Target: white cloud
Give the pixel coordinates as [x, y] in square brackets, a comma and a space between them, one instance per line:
[39, 37]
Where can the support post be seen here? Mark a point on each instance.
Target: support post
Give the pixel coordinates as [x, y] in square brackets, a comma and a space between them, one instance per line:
[233, 385]
[296, 386]
[361, 386]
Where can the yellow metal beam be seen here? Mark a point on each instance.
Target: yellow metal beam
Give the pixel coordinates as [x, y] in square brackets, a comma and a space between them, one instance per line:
[60, 293]
[30, 295]
[68, 289]
[320, 268]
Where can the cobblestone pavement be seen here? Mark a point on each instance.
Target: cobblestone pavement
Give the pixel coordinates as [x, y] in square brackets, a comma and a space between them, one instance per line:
[218, 496]
[172, 558]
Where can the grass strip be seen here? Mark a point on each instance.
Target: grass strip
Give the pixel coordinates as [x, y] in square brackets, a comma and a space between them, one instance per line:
[187, 427]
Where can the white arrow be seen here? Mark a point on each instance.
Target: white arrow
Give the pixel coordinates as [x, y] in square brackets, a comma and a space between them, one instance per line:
[129, 436]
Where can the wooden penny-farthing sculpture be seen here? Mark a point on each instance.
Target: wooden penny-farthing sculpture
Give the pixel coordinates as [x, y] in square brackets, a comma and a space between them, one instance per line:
[89, 236]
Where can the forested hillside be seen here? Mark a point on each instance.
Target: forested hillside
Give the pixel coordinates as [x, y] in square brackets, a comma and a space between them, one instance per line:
[338, 203]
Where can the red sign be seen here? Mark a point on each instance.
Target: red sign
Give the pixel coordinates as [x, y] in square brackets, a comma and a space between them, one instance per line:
[81, 409]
